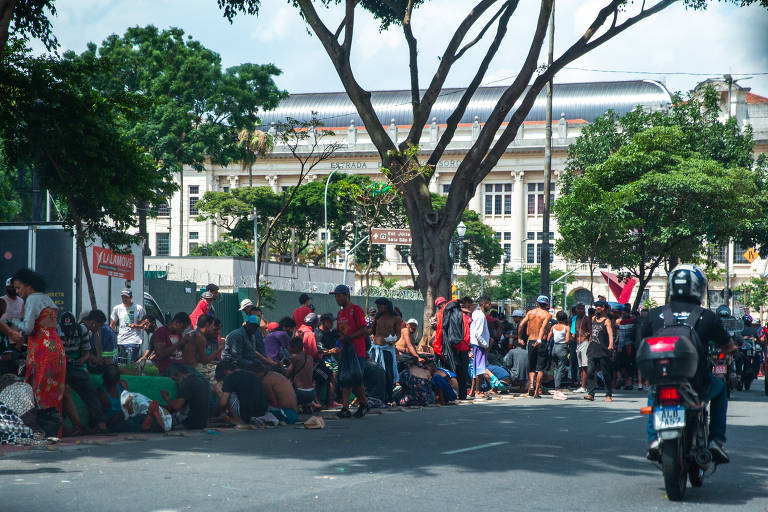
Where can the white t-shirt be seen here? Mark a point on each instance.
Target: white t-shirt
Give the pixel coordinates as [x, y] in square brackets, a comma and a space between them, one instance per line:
[123, 317]
[14, 308]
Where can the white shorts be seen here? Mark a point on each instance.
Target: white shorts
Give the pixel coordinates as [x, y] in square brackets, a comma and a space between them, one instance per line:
[581, 354]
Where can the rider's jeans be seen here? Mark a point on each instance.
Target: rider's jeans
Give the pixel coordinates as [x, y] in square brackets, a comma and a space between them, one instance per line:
[718, 411]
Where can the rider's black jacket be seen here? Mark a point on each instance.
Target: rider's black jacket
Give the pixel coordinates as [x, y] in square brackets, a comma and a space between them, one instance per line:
[708, 327]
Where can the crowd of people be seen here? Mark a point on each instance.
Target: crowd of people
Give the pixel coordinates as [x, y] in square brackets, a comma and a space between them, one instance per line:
[267, 373]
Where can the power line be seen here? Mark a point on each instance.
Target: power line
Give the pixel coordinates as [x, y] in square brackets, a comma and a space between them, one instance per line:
[660, 72]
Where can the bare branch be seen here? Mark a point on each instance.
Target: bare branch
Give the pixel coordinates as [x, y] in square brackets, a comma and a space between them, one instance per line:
[412, 54]
[349, 27]
[481, 34]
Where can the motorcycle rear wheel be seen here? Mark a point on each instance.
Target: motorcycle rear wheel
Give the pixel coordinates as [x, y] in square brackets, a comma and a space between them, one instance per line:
[673, 468]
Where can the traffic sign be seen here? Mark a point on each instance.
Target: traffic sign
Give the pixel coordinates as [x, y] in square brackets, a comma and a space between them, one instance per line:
[750, 254]
[386, 236]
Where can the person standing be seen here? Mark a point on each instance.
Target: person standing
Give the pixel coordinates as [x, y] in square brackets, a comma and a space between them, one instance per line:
[599, 352]
[535, 326]
[128, 320]
[301, 312]
[560, 336]
[386, 331]
[582, 328]
[480, 339]
[14, 305]
[46, 361]
[350, 321]
[625, 354]
[203, 306]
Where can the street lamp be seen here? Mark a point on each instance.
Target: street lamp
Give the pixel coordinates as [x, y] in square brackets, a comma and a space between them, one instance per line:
[346, 259]
[461, 230]
[325, 213]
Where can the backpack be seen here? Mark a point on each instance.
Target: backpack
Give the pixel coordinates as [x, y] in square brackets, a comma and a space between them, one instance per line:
[453, 324]
[686, 329]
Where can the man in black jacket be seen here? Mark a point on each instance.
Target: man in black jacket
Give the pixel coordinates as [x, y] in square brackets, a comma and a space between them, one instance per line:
[687, 287]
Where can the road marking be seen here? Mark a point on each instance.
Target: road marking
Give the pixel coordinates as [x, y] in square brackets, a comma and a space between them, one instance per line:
[473, 448]
[628, 418]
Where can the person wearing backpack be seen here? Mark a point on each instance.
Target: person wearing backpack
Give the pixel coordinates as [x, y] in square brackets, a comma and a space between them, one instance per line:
[686, 289]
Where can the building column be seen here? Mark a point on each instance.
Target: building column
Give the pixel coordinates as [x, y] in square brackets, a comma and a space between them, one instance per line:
[476, 203]
[274, 182]
[434, 186]
[518, 217]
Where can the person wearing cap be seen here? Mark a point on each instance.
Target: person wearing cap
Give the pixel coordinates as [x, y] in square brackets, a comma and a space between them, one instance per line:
[405, 345]
[128, 320]
[535, 326]
[14, 305]
[517, 317]
[301, 312]
[245, 345]
[350, 321]
[276, 342]
[306, 332]
[601, 343]
[203, 307]
[581, 330]
[246, 307]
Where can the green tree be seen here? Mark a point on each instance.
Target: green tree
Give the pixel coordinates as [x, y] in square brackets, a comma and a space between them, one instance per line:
[224, 247]
[507, 286]
[27, 19]
[10, 203]
[195, 111]
[755, 293]
[666, 201]
[432, 229]
[71, 134]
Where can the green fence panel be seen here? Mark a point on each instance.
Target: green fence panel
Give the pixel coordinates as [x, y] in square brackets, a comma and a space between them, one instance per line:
[173, 296]
[227, 306]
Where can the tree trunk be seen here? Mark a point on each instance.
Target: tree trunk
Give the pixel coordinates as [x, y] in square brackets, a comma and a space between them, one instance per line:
[6, 13]
[250, 174]
[80, 240]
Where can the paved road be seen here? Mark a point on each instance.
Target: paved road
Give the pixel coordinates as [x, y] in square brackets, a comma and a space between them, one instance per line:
[537, 454]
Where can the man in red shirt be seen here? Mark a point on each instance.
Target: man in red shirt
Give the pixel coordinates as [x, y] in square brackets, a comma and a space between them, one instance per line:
[301, 312]
[203, 307]
[350, 321]
[452, 341]
[307, 331]
[169, 343]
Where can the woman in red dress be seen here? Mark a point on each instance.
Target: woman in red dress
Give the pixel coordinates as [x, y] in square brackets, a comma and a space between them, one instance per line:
[46, 362]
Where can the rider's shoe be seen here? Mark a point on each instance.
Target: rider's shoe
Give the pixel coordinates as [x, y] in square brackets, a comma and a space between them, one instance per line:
[719, 455]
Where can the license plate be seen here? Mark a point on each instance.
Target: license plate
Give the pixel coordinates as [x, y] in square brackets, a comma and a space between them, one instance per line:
[720, 369]
[668, 417]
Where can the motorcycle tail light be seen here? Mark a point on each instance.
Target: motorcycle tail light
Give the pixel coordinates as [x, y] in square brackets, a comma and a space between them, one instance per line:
[662, 343]
[721, 356]
[669, 395]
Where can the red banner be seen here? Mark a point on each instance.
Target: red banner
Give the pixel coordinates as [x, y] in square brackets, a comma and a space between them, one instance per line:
[621, 288]
[108, 263]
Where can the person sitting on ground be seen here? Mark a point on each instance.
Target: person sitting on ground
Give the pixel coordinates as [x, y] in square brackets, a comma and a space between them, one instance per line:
[109, 394]
[276, 342]
[169, 342]
[240, 393]
[416, 383]
[103, 341]
[444, 383]
[301, 312]
[280, 394]
[245, 345]
[499, 378]
[324, 374]
[405, 346]
[300, 372]
[516, 362]
[190, 407]
[195, 344]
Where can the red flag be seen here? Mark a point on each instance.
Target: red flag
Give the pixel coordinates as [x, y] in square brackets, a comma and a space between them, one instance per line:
[621, 287]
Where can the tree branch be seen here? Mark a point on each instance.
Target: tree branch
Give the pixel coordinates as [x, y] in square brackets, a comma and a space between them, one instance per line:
[349, 27]
[482, 32]
[412, 55]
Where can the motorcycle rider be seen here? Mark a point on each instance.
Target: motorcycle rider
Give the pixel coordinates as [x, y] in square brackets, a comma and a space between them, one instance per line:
[752, 331]
[686, 289]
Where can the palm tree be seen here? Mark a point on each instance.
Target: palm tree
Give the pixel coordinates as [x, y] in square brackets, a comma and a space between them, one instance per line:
[255, 144]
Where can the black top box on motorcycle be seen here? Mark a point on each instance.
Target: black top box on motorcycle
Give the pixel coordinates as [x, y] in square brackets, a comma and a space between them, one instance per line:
[667, 357]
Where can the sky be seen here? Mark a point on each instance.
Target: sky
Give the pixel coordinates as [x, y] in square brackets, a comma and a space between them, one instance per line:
[722, 39]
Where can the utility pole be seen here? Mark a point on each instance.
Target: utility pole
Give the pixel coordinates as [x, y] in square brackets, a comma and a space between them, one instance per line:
[547, 163]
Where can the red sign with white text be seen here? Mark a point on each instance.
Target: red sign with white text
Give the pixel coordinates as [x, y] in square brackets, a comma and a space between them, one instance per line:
[108, 263]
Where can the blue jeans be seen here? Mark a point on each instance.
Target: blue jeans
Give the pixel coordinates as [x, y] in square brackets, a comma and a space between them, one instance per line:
[718, 411]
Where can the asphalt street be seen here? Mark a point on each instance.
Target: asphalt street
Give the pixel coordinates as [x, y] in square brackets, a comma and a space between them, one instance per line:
[504, 454]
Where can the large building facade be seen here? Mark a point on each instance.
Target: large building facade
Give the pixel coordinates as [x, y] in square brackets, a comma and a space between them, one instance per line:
[511, 197]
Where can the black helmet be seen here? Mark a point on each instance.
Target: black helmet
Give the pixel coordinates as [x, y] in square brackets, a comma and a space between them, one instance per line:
[723, 311]
[747, 319]
[687, 282]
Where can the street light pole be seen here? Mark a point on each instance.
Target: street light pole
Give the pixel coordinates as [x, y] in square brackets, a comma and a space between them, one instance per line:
[325, 214]
[522, 251]
[346, 257]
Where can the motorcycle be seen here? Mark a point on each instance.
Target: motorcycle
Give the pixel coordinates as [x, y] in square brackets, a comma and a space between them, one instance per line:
[724, 367]
[680, 416]
[746, 363]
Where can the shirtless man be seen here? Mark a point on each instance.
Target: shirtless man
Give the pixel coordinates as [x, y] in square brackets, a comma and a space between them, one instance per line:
[195, 343]
[404, 345]
[280, 394]
[300, 372]
[536, 326]
[386, 331]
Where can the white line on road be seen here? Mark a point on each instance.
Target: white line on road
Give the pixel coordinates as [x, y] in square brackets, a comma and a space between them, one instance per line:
[628, 418]
[473, 448]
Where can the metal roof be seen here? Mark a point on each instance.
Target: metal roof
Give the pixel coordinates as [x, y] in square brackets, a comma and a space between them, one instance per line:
[577, 101]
